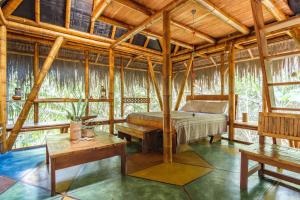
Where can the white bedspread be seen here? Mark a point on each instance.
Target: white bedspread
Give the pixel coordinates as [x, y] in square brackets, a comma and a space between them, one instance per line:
[189, 128]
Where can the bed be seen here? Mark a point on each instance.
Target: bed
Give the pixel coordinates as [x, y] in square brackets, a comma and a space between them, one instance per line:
[187, 124]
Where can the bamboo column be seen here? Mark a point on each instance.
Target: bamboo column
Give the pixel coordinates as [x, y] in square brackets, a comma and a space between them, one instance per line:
[111, 90]
[222, 74]
[87, 81]
[3, 67]
[231, 90]
[154, 81]
[183, 82]
[167, 78]
[37, 11]
[34, 92]
[148, 90]
[36, 71]
[122, 87]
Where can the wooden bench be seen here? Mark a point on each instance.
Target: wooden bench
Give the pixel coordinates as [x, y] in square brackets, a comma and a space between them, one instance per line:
[128, 130]
[275, 125]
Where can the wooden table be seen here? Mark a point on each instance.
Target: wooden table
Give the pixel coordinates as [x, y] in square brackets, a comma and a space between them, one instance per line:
[63, 153]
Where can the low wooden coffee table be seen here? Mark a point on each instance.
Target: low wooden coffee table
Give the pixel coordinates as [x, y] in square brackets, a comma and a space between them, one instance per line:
[63, 153]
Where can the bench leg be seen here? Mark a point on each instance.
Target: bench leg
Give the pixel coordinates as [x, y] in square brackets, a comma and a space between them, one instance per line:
[123, 160]
[261, 171]
[244, 171]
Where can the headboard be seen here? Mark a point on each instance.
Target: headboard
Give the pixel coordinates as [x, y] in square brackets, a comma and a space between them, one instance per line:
[213, 98]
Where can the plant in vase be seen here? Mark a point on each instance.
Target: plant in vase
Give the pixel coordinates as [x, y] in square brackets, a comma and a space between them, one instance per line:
[75, 116]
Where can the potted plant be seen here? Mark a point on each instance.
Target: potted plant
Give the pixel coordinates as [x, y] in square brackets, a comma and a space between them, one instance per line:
[75, 116]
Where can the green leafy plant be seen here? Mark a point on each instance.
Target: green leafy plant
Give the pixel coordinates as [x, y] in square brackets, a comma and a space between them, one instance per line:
[77, 111]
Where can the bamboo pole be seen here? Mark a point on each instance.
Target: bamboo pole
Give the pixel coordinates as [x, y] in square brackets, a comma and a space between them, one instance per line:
[263, 52]
[154, 81]
[37, 11]
[167, 80]
[192, 80]
[36, 71]
[222, 74]
[3, 85]
[111, 90]
[183, 82]
[148, 90]
[86, 80]
[231, 91]
[68, 14]
[2, 18]
[34, 92]
[122, 87]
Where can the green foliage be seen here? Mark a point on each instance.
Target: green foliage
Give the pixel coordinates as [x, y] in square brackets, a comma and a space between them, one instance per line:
[77, 111]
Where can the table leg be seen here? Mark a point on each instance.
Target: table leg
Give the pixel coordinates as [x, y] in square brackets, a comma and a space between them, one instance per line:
[244, 171]
[53, 181]
[123, 160]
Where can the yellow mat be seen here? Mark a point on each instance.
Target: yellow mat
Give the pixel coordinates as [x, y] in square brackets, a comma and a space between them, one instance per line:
[173, 173]
[191, 158]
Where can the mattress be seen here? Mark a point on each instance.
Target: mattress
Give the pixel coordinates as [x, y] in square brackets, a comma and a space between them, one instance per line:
[188, 126]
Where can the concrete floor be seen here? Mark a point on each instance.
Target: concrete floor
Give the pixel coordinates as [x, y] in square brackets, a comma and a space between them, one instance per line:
[24, 175]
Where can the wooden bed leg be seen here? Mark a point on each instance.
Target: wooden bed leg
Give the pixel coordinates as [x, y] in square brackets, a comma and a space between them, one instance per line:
[244, 171]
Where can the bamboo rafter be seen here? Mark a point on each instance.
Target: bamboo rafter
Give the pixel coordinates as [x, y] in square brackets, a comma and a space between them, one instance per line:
[11, 6]
[97, 11]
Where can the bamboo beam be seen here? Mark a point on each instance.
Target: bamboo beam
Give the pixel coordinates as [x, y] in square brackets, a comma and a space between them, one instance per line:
[146, 42]
[283, 25]
[111, 90]
[262, 49]
[231, 87]
[122, 86]
[2, 18]
[86, 80]
[225, 17]
[167, 81]
[3, 86]
[148, 12]
[154, 81]
[34, 92]
[148, 22]
[36, 71]
[68, 13]
[183, 82]
[280, 16]
[97, 11]
[197, 33]
[11, 6]
[37, 11]
[144, 32]
[222, 74]
[43, 30]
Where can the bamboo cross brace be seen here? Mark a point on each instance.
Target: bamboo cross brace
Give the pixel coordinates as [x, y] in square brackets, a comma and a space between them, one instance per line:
[154, 81]
[183, 82]
[34, 92]
[11, 6]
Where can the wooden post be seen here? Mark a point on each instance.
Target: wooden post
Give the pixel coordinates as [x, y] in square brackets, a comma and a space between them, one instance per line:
[231, 90]
[192, 81]
[87, 80]
[122, 87]
[263, 52]
[167, 79]
[222, 74]
[36, 71]
[34, 92]
[3, 85]
[183, 82]
[148, 90]
[111, 90]
[154, 81]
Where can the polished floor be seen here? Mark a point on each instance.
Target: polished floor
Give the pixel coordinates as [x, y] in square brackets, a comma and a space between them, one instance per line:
[24, 175]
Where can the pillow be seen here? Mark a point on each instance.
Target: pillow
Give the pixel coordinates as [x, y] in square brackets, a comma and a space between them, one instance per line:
[203, 106]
